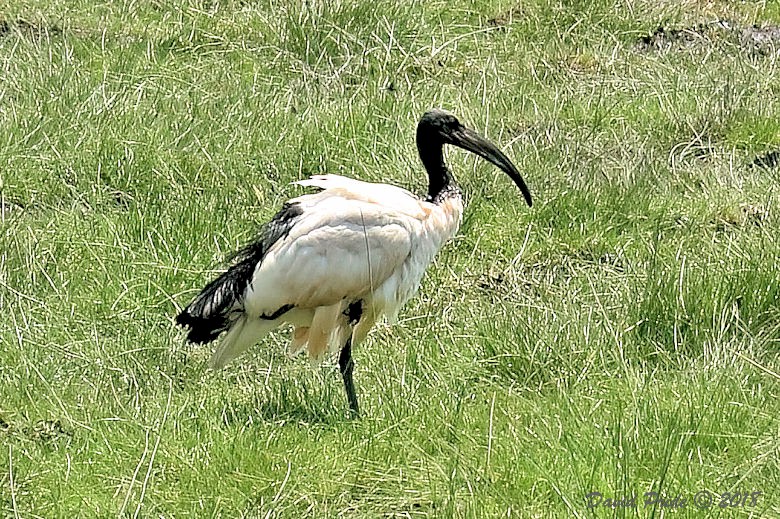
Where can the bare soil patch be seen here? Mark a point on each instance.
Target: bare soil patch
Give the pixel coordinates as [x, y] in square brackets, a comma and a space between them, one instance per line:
[28, 29]
[761, 39]
[769, 160]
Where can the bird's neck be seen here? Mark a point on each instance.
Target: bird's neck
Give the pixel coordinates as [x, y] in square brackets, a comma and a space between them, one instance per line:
[441, 185]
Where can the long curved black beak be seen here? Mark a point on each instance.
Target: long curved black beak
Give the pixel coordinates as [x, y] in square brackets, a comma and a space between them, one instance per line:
[470, 140]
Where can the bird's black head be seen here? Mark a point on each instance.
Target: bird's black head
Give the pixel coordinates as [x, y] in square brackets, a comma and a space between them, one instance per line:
[437, 123]
[437, 128]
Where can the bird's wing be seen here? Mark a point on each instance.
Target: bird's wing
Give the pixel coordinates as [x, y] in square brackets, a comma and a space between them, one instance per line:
[220, 303]
[337, 249]
[386, 195]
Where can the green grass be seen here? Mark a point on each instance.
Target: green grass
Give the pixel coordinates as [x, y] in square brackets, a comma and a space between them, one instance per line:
[621, 336]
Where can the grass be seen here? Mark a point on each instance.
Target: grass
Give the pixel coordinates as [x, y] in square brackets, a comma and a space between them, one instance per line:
[622, 336]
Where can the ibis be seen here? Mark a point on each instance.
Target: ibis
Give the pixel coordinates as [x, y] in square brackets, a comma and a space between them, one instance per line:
[331, 263]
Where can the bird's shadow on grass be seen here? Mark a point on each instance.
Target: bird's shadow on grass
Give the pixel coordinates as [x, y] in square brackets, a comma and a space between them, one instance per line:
[283, 405]
[247, 396]
[285, 412]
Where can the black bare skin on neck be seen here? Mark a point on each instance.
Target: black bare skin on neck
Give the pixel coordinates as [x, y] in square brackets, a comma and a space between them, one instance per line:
[441, 185]
[432, 156]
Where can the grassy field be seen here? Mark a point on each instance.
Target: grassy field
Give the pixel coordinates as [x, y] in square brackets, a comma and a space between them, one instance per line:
[620, 337]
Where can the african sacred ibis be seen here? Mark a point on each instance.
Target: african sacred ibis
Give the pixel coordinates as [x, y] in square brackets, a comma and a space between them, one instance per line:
[331, 263]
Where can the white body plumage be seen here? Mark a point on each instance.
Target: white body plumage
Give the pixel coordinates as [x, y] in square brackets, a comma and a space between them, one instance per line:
[354, 241]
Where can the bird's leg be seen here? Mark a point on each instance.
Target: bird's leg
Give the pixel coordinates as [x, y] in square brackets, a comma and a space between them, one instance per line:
[345, 366]
[353, 313]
